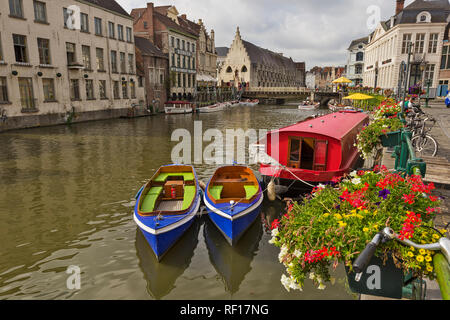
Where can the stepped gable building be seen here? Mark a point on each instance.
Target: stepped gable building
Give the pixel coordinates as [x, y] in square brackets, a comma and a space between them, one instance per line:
[422, 23]
[154, 65]
[251, 66]
[355, 60]
[221, 56]
[66, 60]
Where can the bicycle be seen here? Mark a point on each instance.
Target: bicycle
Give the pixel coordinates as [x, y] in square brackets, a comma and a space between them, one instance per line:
[423, 143]
[388, 234]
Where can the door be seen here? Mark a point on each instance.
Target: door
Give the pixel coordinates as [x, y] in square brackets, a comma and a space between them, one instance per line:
[320, 155]
[294, 152]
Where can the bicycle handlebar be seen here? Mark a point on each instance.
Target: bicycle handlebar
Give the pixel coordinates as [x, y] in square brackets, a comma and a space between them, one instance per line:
[388, 234]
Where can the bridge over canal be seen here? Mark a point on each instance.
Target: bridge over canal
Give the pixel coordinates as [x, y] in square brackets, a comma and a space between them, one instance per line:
[280, 94]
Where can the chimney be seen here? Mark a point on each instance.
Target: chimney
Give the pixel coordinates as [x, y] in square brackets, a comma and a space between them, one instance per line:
[400, 6]
[150, 6]
[184, 17]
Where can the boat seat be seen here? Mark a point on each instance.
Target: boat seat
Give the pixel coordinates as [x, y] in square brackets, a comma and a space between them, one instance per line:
[187, 176]
[215, 191]
[189, 195]
[148, 205]
[250, 191]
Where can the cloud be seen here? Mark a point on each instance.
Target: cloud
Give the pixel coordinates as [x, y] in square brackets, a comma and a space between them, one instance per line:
[315, 31]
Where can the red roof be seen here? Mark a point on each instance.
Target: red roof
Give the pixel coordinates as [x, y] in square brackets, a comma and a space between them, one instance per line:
[335, 125]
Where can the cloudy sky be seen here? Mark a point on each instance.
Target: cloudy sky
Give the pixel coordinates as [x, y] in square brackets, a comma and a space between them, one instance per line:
[315, 31]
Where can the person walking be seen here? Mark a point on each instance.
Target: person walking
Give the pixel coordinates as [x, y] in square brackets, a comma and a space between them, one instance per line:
[447, 99]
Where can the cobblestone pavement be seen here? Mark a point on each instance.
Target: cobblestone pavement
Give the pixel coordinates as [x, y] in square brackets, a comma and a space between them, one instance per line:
[441, 131]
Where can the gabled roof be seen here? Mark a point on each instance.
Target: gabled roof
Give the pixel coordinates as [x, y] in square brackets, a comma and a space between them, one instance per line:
[148, 48]
[263, 56]
[364, 40]
[169, 23]
[439, 10]
[111, 5]
[222, 51]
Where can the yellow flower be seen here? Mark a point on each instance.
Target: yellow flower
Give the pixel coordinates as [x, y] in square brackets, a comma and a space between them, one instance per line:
[375, 212]
[366, 229]
[410, 254]
[419, 258]
[428, 259]
[435, 236]
[412, 249]
[422, 252]
[359, 216]
[443, 231]
[326, 215]
[429, 268]
[353, 211]
[338, 216]
[366, 211]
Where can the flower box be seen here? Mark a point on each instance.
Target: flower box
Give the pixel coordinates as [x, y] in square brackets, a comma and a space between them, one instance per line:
[391, 139]
[379, 279]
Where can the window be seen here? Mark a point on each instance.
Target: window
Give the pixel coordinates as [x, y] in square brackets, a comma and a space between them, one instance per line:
[116, 90]
[188, 46]
[172, 41]
[429, 72]
[179, 80]
[406, 40]
[49, 90]
[193, 63]
[102, 89]
[26, 93]
[145, 25]
[70, 51]
[44, 51]
[130, 63]
[40, 11]
[68, 18]
[111, 30]
[1, 50]
[133, 90]
[86, 52]
[20, 48]
[184, 80]
[173, 59]
[120, 32]
[3, 90]
[358, 69]
[74, 89]
[189, 80]
[184, 61]
[129, 34]
[178, 43]
[100, 59]
[301, 153]
[420, 42]
[90, 89]
[123, 67]
[84, 21]
[114, 61]
[359, 56]
[445, 60]
[15, 8]
[193, 47]
[124, 90]
[432, 46]
[183, 43]
[178, 60]
[98, 26]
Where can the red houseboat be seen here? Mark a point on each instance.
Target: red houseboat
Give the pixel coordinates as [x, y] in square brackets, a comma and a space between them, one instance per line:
[314, 150]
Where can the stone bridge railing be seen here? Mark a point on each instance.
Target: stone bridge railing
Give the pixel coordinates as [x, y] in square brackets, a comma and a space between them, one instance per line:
[278, 90]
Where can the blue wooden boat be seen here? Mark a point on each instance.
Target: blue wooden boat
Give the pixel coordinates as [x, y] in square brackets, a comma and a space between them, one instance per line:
[233, 199]
[167, 205]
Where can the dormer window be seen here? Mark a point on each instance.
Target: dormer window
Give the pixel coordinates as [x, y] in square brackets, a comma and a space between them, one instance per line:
[424, 17]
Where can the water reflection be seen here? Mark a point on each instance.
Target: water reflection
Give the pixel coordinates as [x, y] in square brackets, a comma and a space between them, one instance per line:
[161, 276]
[232, 263]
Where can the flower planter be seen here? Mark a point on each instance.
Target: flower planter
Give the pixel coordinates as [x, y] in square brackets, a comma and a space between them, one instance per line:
[382, 280]
[391, 139]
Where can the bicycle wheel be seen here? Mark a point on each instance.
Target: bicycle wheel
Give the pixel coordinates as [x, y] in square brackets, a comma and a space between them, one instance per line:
[424, 146]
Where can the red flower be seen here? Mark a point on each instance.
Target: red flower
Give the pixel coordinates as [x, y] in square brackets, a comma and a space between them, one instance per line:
[275, 224]
[433, 198]
[409, 198]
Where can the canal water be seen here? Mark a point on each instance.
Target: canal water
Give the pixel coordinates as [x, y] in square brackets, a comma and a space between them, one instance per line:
[67, 197]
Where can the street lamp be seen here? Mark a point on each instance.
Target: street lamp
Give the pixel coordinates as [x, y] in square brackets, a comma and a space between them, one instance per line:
[428, 84]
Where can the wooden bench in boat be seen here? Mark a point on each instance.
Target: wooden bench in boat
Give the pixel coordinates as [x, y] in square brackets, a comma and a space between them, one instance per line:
[216, 191]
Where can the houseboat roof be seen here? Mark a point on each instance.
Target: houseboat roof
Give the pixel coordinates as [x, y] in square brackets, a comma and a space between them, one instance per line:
[334, 125]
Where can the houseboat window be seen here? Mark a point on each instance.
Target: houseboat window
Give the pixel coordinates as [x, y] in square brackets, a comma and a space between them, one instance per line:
[307, 154]
[294, 153]
[320, 156]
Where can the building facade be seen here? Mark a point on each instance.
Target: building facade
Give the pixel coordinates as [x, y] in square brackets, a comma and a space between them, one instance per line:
[444, 68]
[154, 65]
[355, 61]
[421, 24]
[251, 66]
[322, 77]
[190, 49]
[221, 56]
[206, 57]
[66, 60]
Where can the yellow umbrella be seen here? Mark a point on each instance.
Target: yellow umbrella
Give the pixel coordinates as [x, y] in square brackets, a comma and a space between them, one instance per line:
[342, 80]
[358, 96]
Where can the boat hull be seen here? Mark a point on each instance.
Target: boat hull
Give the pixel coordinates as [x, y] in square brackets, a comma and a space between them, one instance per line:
[233, 227]
[177, 111]
[211, 109]
[162, 239]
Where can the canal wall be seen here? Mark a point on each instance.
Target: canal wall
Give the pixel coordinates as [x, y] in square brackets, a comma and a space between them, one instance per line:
[44, 120]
